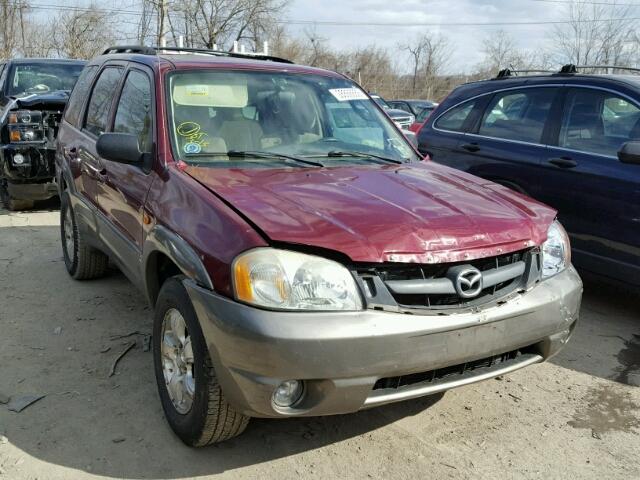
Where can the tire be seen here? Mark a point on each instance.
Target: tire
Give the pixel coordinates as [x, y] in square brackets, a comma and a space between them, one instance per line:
[204, 416]
[83, 262]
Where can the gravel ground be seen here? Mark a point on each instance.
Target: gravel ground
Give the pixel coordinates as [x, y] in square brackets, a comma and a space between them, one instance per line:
[577, 416]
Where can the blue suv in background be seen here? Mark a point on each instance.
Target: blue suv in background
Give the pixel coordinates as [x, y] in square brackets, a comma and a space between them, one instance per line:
[568, 139]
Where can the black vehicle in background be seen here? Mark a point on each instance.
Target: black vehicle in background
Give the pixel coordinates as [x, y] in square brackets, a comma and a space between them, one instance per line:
[414, 107]
[33, 94]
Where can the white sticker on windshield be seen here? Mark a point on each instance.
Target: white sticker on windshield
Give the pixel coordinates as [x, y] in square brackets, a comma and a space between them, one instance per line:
[348, 94]
[197, 90]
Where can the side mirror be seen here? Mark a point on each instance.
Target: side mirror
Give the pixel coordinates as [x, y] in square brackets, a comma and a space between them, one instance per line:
[411, 136]
[119, 147]
[630, 153]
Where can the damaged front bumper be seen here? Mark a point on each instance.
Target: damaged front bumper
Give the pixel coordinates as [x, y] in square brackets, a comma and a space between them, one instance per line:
[354, 360]
[28, 170]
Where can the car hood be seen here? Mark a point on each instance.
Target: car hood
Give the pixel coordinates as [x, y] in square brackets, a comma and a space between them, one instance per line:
[47, 100]
[422, 212]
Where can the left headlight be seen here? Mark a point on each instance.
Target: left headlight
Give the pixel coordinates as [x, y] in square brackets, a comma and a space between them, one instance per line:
[25, 126]
[282, 279]
[556, 251]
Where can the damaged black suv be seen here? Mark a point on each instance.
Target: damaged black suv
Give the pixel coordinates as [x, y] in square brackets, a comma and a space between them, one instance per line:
[33, 94]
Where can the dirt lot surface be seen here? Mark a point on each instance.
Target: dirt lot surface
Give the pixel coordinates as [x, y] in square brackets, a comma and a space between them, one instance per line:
[577, 416]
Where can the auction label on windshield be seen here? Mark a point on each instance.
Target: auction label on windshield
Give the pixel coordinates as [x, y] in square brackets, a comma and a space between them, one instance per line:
[348, 94]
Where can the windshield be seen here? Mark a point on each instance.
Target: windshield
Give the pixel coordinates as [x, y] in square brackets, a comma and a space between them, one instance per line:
[43, 77]
[238, 118]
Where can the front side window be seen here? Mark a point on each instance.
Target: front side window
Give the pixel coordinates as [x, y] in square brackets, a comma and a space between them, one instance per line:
[104, 90]
[518, 115]
[215, 116]
[598, 122]
[76, 100]
[454, 120]
[27, 78]
[133, 114]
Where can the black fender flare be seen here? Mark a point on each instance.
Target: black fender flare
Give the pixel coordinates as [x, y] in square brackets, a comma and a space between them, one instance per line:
[162, 240]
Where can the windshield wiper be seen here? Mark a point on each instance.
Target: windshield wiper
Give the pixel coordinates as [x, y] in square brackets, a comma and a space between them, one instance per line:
[242, 153]
[338, 153]
[252, 154]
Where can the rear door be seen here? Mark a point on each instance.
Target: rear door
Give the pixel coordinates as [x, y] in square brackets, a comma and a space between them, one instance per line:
[122, 193]
[598, 197]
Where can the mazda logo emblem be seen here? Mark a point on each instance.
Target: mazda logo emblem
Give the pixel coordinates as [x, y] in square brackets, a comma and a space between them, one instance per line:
[467, 280]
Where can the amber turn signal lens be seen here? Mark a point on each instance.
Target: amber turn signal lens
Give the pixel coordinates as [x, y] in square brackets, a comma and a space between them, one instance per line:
[13, 118]
[242, 281]
[14, 136]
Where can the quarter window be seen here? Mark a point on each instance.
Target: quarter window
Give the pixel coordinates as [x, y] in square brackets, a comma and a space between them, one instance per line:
[598, 122]
[79, 93]
[455, 118]
[133, 114]
[518, 115]
[101, 98]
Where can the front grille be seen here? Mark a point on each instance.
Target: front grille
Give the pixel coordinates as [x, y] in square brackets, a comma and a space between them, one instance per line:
[451, 373]
[391, 275]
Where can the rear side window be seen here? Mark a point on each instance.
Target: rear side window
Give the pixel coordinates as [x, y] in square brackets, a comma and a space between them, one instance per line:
[597, 121]
[133, 114]
[99, 105]
[455, 118]
[78, 95]
[518, 114]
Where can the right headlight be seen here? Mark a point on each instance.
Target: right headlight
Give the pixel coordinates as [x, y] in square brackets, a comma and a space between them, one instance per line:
[556, 251]
[287, 280]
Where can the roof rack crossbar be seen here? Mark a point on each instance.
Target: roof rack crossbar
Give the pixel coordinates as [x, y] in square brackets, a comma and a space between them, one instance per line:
[143, 50]
[507, 72]
[574, 68]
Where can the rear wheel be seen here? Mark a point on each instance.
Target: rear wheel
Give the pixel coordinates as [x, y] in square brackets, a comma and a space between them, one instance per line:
[191, 396]
[83, 262]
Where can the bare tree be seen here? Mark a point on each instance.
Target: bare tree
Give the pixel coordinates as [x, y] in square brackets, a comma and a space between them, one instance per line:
[82, 33]
[428, 54]
[11, 18]
[597, 34]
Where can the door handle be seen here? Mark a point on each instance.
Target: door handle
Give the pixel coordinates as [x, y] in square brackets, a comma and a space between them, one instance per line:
[563, 162]
[470, 147]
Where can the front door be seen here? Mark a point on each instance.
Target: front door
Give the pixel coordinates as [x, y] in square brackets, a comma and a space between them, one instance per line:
[122, 194]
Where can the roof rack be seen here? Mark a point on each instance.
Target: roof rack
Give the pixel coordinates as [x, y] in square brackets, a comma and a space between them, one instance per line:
[570, 68]
[507, 72]
[143, 50]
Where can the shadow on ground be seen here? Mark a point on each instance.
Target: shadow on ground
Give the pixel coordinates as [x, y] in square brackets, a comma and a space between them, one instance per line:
[606, 342]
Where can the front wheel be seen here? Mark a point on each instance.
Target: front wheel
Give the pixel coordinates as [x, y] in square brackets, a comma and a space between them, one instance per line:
[191, 396]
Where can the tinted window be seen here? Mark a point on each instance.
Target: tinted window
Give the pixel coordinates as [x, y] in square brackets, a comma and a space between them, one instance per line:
[133, 114]
[598, 122]
[79, 93]
[454, 119]
[103, 93]
[400, 106]
[518, 115]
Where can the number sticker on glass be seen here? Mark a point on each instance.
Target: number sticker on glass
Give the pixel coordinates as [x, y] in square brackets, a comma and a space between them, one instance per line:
[348, 94]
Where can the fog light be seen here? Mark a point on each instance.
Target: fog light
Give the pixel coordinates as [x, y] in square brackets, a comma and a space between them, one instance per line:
[288, 393]
[18, 159]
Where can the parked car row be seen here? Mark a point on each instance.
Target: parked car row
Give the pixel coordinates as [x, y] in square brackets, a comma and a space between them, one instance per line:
[567, 139]
[300, 256]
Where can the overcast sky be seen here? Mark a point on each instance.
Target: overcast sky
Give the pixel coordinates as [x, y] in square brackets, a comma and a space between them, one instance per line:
[467, 40]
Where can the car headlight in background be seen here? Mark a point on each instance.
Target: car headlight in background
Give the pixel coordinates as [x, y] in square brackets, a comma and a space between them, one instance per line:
[556, 251]
[282, 279]
[25, 126]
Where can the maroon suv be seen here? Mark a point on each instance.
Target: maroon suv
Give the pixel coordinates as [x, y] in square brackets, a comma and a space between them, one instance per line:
[301, 257]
